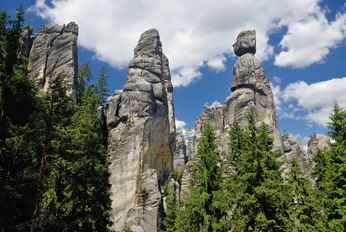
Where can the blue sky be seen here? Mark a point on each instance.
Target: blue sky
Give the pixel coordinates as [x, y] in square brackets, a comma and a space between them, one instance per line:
[301, 44]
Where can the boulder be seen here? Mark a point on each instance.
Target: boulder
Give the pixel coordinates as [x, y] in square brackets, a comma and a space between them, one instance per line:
[245, 43]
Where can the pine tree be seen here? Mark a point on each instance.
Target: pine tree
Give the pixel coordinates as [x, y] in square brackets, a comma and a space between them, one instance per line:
[75, 175]
[101, 87]
[259, 202]
[204, 210]
[20, 125]
[334, 184]
[172, 208]
[84, 77]
[305, 208]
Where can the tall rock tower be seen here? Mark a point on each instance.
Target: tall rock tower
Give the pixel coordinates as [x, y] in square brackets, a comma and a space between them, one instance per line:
[140, 120]
[54, 51]
[250, 87]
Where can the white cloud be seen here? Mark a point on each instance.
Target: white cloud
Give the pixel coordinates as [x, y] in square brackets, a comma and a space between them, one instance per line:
[309, 41]
[180, 124]
[216, 104]
[217, 63]
[195, 32]
[311, 102]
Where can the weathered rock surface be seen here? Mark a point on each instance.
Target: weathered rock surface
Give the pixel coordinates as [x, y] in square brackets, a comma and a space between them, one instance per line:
[245, 43]
[294, 150]
[250, 88]
[317, 142]
[180, 157]
[141, 142]
[26, 41]
[54, 51]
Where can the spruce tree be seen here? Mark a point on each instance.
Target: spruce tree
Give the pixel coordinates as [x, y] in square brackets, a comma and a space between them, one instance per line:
[334, 184]
[259, 200]
[101, 87]
[172, 208]
[205, 210]
[305, 208]
[20, 127]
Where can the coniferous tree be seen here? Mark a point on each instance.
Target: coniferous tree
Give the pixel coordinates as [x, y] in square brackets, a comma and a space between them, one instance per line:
[260, 195]
[101, 87]
[205, 209]
[20, 125]
[84, 77]
[305, 208]
[172, 208]
[334, 184]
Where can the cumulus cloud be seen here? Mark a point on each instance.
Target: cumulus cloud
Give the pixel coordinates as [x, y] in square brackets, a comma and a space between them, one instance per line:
[217, 63]
[309, 41]
[311, 102]
[194, 33]
[180, 124]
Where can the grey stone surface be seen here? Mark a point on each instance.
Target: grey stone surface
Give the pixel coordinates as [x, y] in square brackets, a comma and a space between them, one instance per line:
[180, 157]
[245, 43]
[141, 143]
[317, 142]
[54, 51]
[250, 88]
[293, 149]
[26, 41]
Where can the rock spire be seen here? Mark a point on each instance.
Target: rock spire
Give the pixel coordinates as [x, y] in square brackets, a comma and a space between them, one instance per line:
[53, 51]
[140, 120]
[250, 88]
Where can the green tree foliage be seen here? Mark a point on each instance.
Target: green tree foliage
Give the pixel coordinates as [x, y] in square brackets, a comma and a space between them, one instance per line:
[84, 77]
[20, 121]
[75, 184]
[172, 208]
[305, 208]
[259, 193]
[334, 184]
[205, 208]
[53, 159]
[101, 87]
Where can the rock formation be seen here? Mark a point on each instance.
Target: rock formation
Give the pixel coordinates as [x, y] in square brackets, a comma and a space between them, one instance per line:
[53, 51]
[317, 142]
[180, 156]
[250, 87]
[140, 120]
[293, 149]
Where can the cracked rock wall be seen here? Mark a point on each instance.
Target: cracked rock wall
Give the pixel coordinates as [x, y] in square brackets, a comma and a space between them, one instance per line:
[140, 120]
[54, 51]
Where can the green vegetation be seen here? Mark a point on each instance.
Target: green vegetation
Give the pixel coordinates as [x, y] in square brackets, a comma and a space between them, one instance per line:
[53, 157]
[259, 201]
[204, 210]
[330, 173]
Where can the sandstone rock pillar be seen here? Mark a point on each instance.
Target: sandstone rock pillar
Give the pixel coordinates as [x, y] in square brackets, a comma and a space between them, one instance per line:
[140, 120]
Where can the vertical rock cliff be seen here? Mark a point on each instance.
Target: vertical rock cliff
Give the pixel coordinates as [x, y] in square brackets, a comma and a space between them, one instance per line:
[250, 87]
[140, 120]
[53, 51]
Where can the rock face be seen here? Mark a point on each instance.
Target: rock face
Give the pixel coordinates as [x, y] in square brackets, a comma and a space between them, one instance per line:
[317, 142]
[54, 51]
[140, 120]
[250, 88]
[293, 149]
[180, 156]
